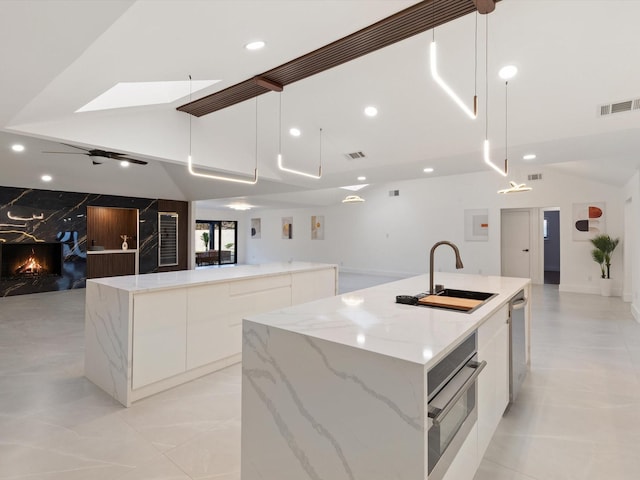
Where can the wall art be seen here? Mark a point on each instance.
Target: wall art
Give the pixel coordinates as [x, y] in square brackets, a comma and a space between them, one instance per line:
[287, 227]
[256, 228]
[589, 220]
[317, 227]
[476, 225]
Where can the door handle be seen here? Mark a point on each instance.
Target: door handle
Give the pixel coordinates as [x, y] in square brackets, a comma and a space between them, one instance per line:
[525, 249]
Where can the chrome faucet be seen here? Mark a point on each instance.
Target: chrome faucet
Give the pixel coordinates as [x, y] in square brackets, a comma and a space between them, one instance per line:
[433, 250]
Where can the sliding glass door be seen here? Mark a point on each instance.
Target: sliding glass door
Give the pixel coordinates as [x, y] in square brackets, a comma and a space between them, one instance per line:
[215, 242]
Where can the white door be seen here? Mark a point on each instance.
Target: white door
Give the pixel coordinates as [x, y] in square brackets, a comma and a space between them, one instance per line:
[515, 247]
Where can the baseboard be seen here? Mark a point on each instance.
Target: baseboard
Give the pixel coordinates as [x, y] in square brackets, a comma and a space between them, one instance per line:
[563, 287]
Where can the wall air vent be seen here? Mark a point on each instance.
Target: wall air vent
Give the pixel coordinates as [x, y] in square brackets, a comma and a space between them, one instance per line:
[354, 155]
[394, 193]
[534, 176]
[618, 107]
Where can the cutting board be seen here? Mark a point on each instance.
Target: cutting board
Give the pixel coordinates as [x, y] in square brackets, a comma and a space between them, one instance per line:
[463, 304]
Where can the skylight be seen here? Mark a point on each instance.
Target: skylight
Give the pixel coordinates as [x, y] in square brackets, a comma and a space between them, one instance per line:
[136, 94]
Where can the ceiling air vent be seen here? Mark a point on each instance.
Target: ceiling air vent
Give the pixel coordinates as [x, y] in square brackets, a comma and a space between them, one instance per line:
[354, 155]
[394, 193]
[619, 107]
[534, 176]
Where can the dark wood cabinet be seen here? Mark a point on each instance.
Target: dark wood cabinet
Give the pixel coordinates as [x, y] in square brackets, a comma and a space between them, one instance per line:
[111, 264]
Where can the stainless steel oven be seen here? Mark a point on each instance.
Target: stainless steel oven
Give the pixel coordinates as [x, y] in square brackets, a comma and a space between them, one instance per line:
[452, 395]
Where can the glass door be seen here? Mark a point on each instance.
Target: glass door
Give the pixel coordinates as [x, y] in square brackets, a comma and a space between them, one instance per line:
[215, 242]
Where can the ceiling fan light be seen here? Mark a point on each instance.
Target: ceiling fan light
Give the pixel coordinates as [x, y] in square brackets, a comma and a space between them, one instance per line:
[124, 163]
[353, 199]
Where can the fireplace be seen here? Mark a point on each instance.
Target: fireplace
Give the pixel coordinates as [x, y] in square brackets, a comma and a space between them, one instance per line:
[20, 260]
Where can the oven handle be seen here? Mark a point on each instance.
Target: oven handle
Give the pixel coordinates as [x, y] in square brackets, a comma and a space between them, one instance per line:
[436, 413]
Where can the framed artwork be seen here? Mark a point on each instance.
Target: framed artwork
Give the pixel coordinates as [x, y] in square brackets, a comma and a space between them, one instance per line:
[287, 227]
[317, 227]
[256, 228]
[589, 220]
[476, 225]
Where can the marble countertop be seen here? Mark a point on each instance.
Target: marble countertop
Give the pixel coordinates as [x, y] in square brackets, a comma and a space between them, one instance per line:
[168, 280]
[370, 320]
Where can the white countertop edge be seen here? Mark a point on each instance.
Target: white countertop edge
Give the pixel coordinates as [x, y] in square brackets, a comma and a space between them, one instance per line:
[153, 282]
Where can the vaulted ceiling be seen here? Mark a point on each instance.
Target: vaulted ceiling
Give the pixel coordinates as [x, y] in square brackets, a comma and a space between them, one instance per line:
[57, 56]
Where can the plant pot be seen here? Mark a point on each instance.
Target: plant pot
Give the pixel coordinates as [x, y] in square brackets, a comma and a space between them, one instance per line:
[605, 287]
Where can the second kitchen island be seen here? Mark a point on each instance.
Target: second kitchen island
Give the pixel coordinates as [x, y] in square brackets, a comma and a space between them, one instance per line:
[341, 388]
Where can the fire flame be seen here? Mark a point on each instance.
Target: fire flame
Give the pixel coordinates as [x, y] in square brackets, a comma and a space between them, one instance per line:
[31, 266]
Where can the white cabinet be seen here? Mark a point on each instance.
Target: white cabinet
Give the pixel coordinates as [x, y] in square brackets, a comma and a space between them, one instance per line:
[308, 286]
[159, 336]
[208, 318]
[493, 382]
[148, 333]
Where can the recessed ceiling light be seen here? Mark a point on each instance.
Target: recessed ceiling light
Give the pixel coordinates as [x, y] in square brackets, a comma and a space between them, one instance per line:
[46, 178]
[362, 179]
[240, 206]
[508, 72]
[295, 132]
[529, 156]
[428, 170]
[257, 45]
[124, 163]
[17, 147]
[371, 111]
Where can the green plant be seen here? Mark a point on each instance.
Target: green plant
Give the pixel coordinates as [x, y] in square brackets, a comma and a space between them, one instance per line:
[601, 254]
[228, 245]
[205, 239]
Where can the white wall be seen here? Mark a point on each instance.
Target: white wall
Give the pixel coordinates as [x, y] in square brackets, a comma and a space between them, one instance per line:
[393, 235]
[631, 248]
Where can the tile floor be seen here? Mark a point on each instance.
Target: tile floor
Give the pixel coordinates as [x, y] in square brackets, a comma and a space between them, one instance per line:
[578, 416]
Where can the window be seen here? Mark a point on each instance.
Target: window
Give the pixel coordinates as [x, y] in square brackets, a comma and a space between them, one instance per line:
[215, 242]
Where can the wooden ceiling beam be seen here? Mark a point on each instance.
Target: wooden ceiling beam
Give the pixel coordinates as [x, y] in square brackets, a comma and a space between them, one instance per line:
[411, 21]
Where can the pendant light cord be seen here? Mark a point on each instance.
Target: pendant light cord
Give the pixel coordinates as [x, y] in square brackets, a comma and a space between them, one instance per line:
[506, 119]
[486, 77]
[190, 93]
[475, 66]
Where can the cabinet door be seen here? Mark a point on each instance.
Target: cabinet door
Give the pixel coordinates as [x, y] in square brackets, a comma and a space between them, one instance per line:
[493, 382]
[209, 314]
[159, 336]
[309, 286]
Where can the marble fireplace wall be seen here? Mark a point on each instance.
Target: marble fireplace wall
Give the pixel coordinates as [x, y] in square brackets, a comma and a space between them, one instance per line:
[29, 215]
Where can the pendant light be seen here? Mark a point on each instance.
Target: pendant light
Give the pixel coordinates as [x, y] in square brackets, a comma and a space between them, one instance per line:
[486, 146]
[514, 186]
[290, 170]
[211, 176]
[433, 63]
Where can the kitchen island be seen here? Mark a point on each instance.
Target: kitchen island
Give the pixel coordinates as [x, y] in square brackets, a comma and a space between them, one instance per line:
[147, 333]
[337, 388]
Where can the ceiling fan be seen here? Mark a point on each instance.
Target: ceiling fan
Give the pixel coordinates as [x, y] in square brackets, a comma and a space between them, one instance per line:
[97, 154]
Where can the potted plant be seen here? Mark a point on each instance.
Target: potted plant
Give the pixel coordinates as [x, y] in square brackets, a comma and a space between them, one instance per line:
[205, 240]
[601, 254]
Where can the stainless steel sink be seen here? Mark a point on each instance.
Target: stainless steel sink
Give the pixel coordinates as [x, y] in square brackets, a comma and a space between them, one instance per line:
[450, 292]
